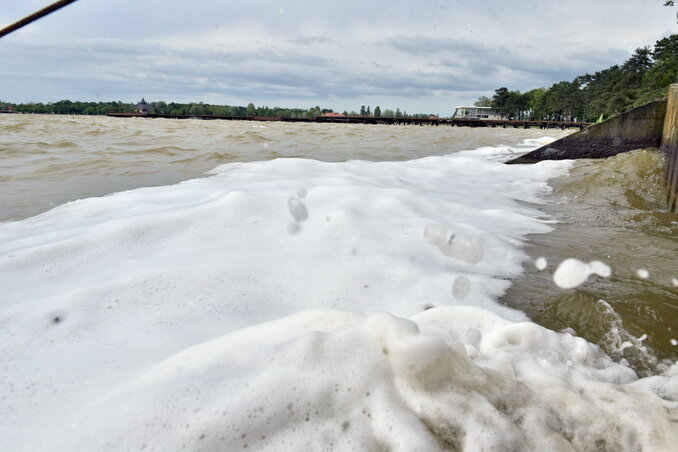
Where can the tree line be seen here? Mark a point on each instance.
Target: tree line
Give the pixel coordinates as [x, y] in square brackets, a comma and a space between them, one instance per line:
[378, 113]
[67, 107]
[644, 77]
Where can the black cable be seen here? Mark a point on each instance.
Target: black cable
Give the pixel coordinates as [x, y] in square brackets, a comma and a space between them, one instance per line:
[35, 16]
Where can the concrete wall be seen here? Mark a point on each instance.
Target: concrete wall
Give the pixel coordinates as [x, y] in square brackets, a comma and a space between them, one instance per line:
[635, 129]
[669, 144]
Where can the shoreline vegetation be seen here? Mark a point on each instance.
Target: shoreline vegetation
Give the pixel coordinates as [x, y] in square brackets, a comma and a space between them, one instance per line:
[644, 77]
[67, 107]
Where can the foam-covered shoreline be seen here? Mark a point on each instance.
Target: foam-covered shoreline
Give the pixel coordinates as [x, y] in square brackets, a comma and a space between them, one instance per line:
[451, 378]
[123, 316]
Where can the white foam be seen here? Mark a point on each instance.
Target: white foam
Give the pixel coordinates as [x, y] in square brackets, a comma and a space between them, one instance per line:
[220, 312]
[541, 263]
[328, 379]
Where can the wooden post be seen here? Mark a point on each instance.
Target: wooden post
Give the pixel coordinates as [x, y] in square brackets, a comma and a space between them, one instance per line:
[669, 146]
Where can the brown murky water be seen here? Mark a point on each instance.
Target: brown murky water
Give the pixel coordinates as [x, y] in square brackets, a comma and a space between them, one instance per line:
[614, 211]
[48, 160]
[611, 210]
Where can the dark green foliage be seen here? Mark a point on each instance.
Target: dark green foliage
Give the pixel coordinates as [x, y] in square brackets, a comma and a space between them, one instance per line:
[483, 101]
[74, 108]
[644, 77]
[67, 107]
[160, 107]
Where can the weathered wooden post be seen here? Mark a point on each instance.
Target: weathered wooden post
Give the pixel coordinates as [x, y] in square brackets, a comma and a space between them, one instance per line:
[669, 146]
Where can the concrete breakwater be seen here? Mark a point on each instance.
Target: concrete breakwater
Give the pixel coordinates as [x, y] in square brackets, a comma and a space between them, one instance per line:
[651, 125]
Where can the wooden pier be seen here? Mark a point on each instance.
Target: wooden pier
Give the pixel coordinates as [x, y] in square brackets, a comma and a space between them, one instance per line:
[525, 124]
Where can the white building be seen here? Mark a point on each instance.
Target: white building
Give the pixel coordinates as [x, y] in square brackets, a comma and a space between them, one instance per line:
[477, 113]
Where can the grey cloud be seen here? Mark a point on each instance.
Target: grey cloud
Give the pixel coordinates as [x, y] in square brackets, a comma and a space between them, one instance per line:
[124, 56]
[310, 40]
[426, 46]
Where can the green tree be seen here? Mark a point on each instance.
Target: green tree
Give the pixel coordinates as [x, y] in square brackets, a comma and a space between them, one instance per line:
[501, 98]
[663, 71]
[483, 101]
[160, 107]
[377, 112]
[536, 103]
[640, 61]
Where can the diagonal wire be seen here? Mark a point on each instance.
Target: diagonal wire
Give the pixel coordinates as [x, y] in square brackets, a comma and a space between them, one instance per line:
[35, 16]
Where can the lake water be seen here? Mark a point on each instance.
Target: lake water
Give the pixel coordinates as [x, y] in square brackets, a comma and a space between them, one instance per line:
[226, 285]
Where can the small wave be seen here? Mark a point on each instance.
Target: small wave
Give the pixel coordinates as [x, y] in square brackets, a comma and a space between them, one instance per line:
[538, 142]
[255, 136]
[624, 347]
[631, 179]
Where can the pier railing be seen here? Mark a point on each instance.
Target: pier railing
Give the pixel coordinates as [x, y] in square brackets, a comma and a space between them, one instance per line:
[457, 122]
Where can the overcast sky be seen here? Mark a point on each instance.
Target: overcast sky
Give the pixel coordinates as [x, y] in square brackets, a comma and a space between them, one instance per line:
[421, 56]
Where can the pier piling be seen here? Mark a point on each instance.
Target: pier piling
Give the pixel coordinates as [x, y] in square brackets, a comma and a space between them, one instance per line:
[669, 145]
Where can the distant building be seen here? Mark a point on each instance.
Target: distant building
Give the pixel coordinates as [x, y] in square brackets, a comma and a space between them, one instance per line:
[143, 106]
[334, 115]
[477, 113]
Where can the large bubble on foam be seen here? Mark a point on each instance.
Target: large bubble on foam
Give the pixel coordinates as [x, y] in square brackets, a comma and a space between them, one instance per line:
[573, 272]
[455, 244]
[297, 209]
[461, 287]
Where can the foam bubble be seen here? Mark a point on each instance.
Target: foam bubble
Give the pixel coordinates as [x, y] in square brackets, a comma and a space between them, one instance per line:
[573, 272]
[297, 209]
[455, 244]
[541, 263]
[461, 287]
[643, 273]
